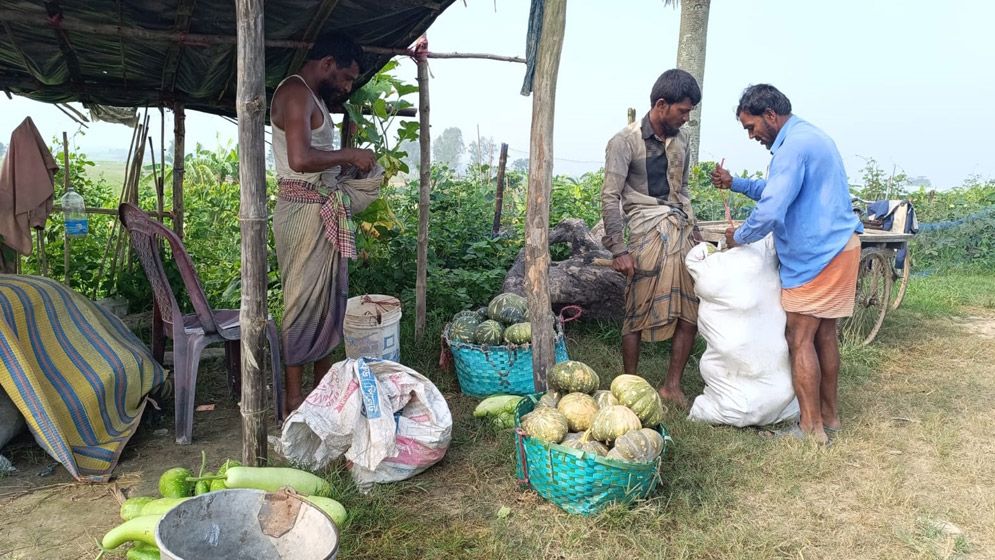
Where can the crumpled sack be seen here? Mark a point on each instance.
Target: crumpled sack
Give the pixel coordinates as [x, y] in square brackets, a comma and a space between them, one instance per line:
[389, 421]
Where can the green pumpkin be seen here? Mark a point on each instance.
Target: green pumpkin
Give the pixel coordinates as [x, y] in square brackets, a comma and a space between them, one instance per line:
[638, 446]
[572, 376]
[489, 332]
[545, 424]
[637, 394]
[605, 398]
[463, 327]
[584, 443]
[579, 410]
[507, 308]
[612, 422]
[519, 333]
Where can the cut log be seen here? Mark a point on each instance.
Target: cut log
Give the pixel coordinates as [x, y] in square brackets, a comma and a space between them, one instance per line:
[598, 290]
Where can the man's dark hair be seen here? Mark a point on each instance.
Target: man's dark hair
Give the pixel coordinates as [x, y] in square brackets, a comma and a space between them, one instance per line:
[758, 98]
[339, 47]
[674, 85]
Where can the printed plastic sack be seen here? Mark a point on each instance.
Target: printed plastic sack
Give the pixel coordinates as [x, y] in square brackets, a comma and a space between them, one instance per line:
[389, 421]
[746, 368]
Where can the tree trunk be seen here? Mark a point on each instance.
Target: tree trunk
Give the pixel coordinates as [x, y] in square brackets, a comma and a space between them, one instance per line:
[425, 184]
[251, 107]
[691, 57]
[540, 188]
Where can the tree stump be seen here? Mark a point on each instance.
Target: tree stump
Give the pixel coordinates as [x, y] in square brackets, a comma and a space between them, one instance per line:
[598, 290]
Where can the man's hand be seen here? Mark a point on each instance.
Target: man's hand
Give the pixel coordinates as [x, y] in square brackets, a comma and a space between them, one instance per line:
[721, 178]
[730, 238]
[625, 264]
[362, 159]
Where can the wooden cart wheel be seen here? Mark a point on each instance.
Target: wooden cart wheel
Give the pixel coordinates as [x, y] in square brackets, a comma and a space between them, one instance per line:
[902, 277]
[873, 298]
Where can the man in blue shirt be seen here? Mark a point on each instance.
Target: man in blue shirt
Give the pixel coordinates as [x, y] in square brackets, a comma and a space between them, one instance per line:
[805, 203]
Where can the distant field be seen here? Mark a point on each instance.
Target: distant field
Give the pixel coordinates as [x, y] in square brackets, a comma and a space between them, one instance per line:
[112, 172]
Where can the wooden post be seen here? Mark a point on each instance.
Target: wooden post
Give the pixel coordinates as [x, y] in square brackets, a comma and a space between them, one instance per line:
[425, 180]
[540, 188]
[631, 113]
[251, 108]
[179, 135]
[499, 196]
[65, 182]
[345, 134]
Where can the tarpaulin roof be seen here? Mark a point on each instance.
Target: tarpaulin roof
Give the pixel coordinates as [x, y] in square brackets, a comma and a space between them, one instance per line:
[148, 53]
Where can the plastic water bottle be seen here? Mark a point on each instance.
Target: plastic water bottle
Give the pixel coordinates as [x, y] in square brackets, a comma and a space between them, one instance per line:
[77, 224]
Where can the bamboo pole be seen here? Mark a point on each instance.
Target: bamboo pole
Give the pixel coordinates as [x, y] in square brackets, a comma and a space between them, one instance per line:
[179, 152]
[251, 107]
[540, 189]
[499, 196]
[425, 172]
[65, 182]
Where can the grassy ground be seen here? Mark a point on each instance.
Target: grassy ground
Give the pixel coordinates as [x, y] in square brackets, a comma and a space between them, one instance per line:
[909, 477]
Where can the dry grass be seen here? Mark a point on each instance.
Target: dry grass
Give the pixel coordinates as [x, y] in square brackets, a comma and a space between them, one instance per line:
[910, 476]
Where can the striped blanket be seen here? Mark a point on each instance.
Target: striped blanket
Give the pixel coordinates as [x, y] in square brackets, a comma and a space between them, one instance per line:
[75, 372]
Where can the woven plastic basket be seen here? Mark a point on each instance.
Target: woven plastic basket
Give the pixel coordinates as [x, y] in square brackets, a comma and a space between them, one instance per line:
[483, 371]
[579, 482]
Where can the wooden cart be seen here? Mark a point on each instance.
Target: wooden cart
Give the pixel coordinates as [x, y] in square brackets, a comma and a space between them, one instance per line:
[881, 285]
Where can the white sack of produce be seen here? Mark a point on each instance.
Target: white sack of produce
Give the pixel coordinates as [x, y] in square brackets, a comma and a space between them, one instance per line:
[389, 421]
[746, 368]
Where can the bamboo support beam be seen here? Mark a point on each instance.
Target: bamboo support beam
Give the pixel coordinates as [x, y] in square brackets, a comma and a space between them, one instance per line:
[499, 195]
[251, 107]
[540, 189]
[179, 152]
[424, 186]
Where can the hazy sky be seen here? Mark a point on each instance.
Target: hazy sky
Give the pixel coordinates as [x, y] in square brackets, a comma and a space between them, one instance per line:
[909, 83]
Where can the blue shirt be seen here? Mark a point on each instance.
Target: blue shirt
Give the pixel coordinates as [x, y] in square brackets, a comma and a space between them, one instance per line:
[805, 201]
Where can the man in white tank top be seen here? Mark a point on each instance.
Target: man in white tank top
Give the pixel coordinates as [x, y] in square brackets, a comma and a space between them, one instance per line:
[310, 224]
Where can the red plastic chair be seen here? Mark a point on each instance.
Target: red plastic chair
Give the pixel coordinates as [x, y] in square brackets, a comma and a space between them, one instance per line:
[191, 333]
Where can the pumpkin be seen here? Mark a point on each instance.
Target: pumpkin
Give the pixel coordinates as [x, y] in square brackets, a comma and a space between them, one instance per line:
[637, 394]
[604, 398]
[519, 333]
[638, 446]
[571, 436]
[507, 308]
[489, 332]
[572, 376]
[584, 443]
[550, 399]
[579, 409]
[612, 422]
[545, 424]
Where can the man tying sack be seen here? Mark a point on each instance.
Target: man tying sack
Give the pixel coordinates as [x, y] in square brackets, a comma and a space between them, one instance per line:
[805, 202]
[320, 188]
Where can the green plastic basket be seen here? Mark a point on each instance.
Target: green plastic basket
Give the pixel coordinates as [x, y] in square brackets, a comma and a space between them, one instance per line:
[579, 482]
[483, 371]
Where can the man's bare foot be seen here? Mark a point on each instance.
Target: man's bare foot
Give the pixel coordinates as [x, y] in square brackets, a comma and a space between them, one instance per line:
[674, 396]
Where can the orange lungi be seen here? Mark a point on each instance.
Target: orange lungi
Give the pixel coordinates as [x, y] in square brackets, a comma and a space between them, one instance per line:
[830, 295]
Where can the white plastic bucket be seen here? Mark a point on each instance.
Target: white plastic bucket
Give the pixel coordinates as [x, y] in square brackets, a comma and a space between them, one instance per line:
[372, 327]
